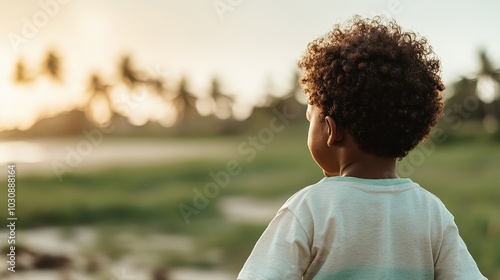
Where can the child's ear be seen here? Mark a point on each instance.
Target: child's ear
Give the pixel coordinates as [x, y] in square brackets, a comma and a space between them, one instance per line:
[334, 132]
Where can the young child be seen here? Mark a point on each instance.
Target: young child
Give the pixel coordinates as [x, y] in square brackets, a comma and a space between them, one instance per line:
[374, 93]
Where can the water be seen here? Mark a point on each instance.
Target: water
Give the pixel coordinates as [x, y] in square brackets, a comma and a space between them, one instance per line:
[83, 153]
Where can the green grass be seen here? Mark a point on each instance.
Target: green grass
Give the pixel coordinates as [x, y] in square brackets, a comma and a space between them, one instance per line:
[465, 175]
[119, 195]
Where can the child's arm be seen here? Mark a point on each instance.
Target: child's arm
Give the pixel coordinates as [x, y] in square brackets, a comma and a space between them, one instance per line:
[282, 252]
[454, 260]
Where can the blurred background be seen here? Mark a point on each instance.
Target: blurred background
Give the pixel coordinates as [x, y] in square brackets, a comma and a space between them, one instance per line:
[156, 139]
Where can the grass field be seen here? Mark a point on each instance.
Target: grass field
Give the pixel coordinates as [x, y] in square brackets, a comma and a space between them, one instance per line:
[465, 175]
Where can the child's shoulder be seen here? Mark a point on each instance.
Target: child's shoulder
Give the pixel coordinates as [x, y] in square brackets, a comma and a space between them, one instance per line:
[332, 190]
[306, 193]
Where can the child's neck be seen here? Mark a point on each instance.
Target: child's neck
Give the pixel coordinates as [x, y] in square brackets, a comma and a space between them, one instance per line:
[368, 167]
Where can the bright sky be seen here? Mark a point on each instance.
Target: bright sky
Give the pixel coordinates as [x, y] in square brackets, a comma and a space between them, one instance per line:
[245, 43]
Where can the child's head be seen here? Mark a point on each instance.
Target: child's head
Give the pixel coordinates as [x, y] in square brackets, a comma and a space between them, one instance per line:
[375, 81]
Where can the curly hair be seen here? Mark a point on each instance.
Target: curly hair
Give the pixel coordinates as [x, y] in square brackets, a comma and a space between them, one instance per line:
[377, 81]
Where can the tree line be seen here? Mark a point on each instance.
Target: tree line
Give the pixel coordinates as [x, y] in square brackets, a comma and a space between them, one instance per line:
[182, 100]
[483, 87]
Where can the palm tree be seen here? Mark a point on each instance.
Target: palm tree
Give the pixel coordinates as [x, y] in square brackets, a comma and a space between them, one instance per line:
[97, 89]
[488, 91]
[295, 90]
[21, 73]
[464, 89]
[269, 98]
[157, 85]
[291, 97]
[291, 101]
[128, 74]
[184, 101]
[222, 103]
[52, 65]
[485, 89]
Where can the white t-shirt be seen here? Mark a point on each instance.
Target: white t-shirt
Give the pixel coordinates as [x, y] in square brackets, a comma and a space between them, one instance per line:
[352, 228]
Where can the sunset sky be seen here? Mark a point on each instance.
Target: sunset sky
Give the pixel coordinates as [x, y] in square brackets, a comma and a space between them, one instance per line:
[245, 43]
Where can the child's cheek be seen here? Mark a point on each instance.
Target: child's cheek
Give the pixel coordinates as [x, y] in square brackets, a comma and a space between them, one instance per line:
[316, 145]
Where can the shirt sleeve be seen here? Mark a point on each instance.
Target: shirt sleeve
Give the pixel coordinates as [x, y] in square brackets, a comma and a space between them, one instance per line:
[454, 261]
[282, 252]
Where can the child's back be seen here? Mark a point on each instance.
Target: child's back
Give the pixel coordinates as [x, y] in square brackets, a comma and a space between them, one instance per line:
[374, 93]
[351, 228]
